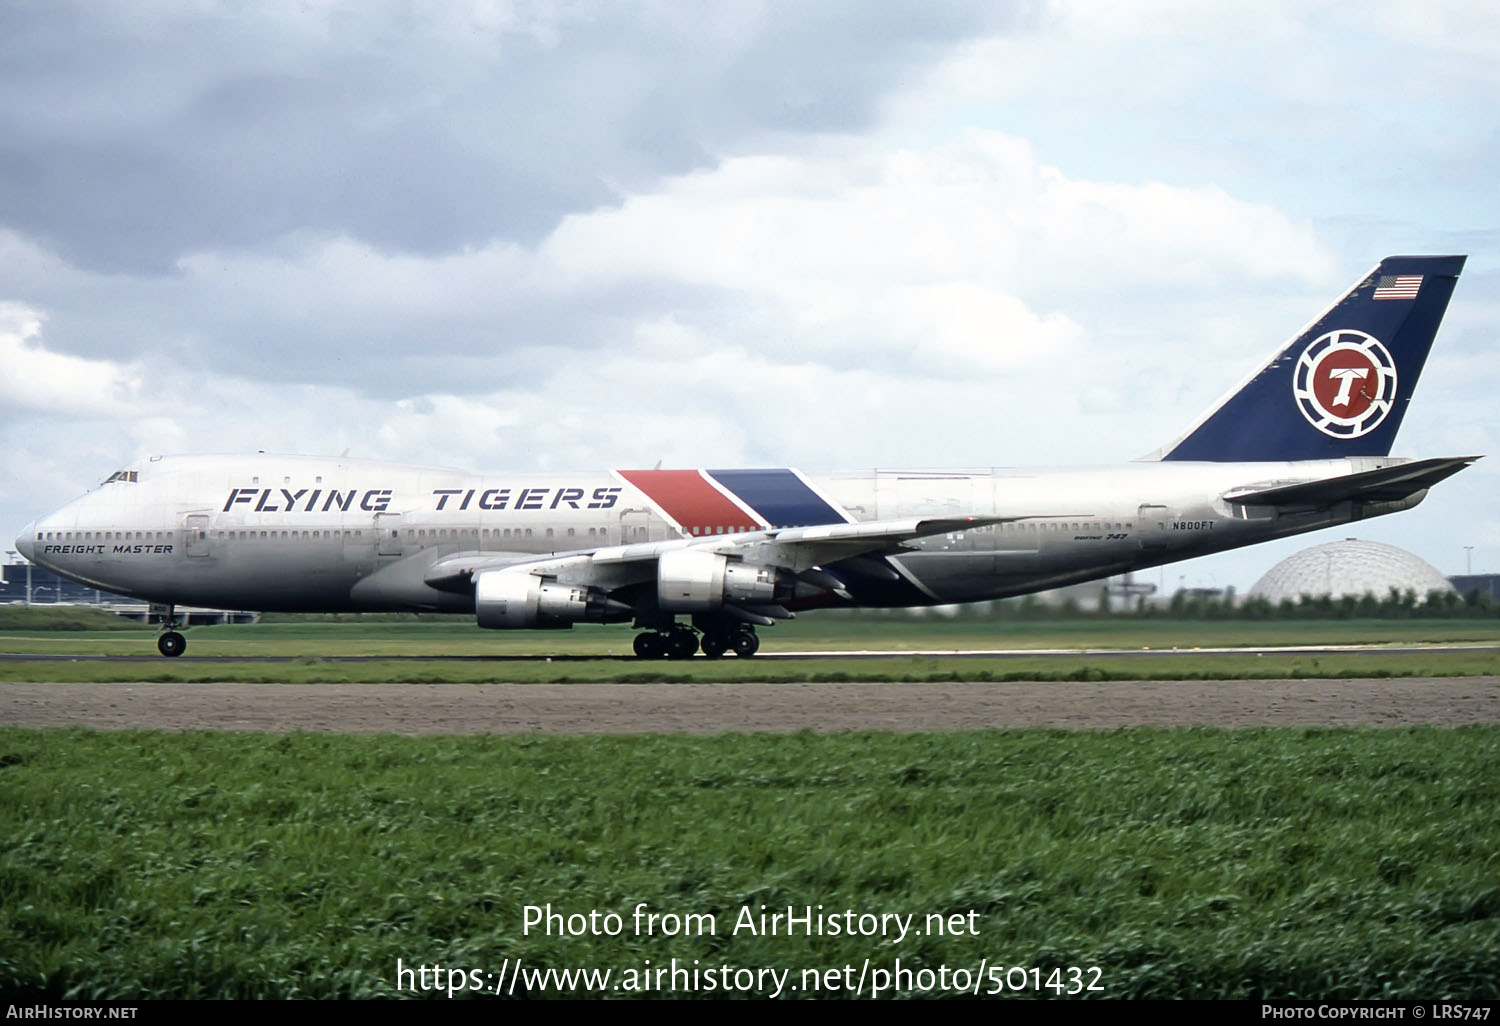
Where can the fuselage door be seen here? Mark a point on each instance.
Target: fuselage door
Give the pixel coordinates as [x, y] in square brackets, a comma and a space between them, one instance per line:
[388, 534]
[1151, 521]
[635, 525]
[195, 527]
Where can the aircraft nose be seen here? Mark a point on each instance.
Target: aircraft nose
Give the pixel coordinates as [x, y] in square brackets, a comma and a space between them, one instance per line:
[25, 541]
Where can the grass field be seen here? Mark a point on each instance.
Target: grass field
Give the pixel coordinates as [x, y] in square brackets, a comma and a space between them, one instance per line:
[1311, 863]
[1328, 864]
[456, 651]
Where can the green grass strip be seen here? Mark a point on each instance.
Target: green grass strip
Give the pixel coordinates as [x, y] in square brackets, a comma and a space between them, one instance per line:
[1276, 863]
[921, 669]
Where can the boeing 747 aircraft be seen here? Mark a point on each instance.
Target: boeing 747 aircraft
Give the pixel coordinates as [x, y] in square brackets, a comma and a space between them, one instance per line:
[1302, 444]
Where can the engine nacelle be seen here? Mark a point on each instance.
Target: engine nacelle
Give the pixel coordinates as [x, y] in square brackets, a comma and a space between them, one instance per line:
[699, 581]
[511, 600]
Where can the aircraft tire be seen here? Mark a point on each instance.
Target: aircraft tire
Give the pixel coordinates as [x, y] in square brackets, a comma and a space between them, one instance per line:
[681, 644]
[650, 645]
[714, 645]
[171, 644]
[746, 644]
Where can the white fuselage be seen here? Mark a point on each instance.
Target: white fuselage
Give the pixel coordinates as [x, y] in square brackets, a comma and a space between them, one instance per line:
[274, 532]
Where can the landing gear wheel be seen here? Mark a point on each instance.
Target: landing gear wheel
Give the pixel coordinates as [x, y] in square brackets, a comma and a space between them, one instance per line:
[650, 645]
[745, 644]
[681, 644]
[171, 644]
[714, 645]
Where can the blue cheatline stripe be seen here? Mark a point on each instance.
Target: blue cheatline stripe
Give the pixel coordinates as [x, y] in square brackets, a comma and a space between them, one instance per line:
[779, 496]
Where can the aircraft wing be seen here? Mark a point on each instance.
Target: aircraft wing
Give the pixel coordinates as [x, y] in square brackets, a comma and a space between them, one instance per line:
[793, 549]
[1388, 484]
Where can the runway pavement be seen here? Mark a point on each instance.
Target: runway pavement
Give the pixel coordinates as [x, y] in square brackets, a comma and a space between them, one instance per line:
[418, 709]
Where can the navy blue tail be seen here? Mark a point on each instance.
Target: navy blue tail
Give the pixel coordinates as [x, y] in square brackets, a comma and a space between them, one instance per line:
[1341, 387]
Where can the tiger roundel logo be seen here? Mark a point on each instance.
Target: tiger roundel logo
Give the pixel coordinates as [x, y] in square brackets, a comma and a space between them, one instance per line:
[1345, 383]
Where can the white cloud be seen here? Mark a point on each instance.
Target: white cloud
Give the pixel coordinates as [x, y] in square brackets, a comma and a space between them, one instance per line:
[1052, 246]
[37, 380]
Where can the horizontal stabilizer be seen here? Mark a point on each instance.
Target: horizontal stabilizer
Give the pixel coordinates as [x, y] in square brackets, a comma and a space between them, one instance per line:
[1388, 484]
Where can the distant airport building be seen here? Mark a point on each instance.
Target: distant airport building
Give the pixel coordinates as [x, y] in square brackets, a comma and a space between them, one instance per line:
[25, 584]
[21, 582]
[1484, 584]
[1349, 567]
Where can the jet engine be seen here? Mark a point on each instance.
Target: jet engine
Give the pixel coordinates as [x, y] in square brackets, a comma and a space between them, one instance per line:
[699, 581]
[509, 600]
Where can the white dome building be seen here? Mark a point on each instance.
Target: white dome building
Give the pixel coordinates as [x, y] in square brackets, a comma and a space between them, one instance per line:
[1349, 567]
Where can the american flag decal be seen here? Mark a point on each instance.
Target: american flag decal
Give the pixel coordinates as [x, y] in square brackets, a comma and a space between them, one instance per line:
[1398, 286]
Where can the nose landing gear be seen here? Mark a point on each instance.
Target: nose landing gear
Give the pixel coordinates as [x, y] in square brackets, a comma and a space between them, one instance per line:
[169, 642]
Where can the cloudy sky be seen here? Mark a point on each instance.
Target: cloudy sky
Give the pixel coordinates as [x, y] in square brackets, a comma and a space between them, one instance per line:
[517, 235]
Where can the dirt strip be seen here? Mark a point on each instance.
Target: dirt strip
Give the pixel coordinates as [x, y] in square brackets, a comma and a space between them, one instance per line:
[712, 708]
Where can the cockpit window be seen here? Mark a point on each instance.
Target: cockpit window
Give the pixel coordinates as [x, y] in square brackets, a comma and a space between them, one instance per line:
[121, 475]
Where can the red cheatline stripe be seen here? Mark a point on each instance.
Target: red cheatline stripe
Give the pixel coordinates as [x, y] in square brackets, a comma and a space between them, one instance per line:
[684, 496]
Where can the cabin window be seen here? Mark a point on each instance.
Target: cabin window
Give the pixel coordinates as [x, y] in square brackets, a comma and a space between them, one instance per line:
[570, 532]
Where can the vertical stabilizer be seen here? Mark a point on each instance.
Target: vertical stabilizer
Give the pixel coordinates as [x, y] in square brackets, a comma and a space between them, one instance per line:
[1339, 388]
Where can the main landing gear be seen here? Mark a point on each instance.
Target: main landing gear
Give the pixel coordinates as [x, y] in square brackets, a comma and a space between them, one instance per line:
[681, 642]
[169, 642]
